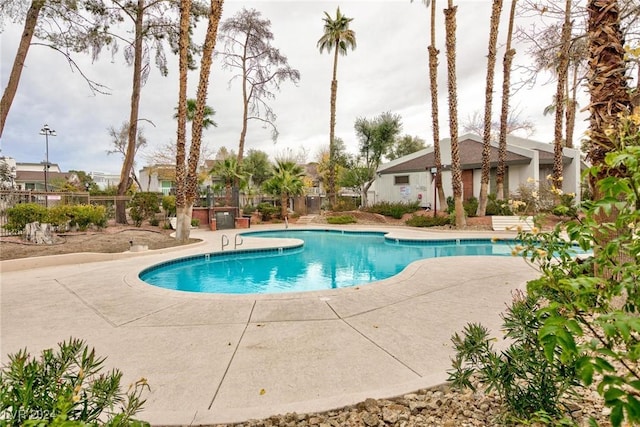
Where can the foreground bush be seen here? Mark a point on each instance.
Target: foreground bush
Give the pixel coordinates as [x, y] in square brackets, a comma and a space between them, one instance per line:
[59, 216]
[586, 318]
[395, 210]
[66, 387]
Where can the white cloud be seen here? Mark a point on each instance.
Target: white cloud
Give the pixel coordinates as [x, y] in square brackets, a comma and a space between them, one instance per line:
[387, 72]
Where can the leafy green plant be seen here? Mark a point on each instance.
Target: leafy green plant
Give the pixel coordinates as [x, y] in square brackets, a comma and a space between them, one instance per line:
[22, 214]
[195, 222]
[86, 215]
[497, 206]
[60, 216]
[169, 205]
[394, 210]
[143, 206]
[470, 206]
[66, 387]
[427, 221]
[248, 209]
[341, 219]
[566, 207]
[527, 379]
[345, 204]
[600, 298]
[267, 210]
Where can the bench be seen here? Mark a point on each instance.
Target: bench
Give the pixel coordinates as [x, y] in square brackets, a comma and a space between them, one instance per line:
[511, 223]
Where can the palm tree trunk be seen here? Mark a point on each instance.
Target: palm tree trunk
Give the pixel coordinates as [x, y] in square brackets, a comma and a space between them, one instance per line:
[610, 97]
[121, 213]
[201, 100]
[560, 96]
[284, 198]
[182, 229]
[606, 76]
[332, 128]
[18, 63]
[570, 114]
[488, 100]
[433, 84]
[504, 112]
[456, 172]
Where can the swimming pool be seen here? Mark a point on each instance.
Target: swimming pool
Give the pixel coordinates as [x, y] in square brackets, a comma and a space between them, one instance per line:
[324, 259]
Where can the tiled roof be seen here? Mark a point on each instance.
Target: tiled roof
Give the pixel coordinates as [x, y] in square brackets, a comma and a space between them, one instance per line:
[38, 176]
[470, 158]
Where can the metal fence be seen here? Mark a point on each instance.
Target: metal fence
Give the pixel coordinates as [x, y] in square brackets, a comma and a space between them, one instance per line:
[11, 198]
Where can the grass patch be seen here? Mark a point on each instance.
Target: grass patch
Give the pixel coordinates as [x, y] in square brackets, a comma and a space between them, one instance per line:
[341, 219]
[427, 221]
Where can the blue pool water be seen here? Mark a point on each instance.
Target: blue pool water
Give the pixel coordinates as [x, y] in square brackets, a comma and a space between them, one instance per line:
[327, 259]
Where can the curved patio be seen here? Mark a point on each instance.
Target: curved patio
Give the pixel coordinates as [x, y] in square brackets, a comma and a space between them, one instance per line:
[228, 358]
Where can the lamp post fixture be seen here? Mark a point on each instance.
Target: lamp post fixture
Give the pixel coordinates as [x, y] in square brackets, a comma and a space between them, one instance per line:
[47, 132]
[434, 175]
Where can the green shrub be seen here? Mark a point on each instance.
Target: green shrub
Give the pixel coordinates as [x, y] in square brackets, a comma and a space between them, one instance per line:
[497, 207]
[470, 206]
[427, 221]
[451, 205]
[143, 206]
[267, 210]
[22, 214]
[86, 215]
[527, 381]
[344, 204]
[567, 206]
[154, 222]
[195, 222]
[66, 385]
[395, 210]
[60, 216]
[248, 209]
[169, 205]
[341, 219]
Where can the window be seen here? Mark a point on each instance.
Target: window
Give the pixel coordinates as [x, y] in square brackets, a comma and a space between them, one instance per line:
[401, 179]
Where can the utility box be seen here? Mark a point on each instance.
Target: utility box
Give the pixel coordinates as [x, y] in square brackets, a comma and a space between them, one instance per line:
[225, 220]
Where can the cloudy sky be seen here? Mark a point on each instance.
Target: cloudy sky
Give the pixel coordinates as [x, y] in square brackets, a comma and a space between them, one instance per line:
[387, 72]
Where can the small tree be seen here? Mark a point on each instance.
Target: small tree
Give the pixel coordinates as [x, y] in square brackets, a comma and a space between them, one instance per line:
[376, 138]
[287, 181]
[261, 67]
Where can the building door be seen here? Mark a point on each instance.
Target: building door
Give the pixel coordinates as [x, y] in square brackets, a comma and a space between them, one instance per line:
[467, 184]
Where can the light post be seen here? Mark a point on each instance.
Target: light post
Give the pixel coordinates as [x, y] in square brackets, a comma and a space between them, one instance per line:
[47, 132]
[434, 175]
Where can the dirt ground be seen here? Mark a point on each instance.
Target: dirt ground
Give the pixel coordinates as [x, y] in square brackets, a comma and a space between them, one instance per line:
[117, 238]
[112, 239]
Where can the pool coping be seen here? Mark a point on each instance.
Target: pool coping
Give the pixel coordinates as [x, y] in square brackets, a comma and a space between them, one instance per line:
[309, 351]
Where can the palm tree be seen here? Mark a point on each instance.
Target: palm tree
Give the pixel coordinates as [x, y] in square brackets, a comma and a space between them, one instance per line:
[608, 84]
[189, 183]
[456, 172]
[504, 112]
[209, 112]
[488, 100]
[181, 116]
[433, 82]
[229, 170]
[563, 66]
[339, 38]
[287, 181]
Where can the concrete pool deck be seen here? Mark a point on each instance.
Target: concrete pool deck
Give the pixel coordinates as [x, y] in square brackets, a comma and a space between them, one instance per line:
[229, 358]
